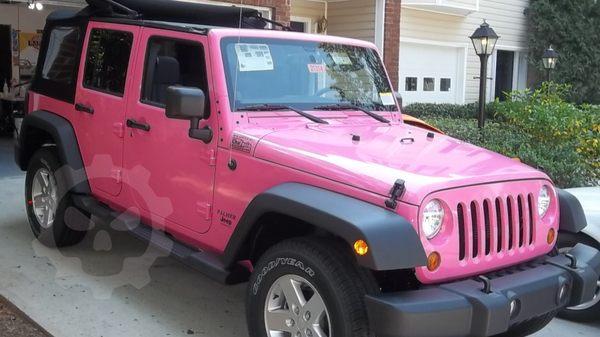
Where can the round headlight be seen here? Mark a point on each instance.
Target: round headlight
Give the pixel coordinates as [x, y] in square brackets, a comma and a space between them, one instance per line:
[543, 201]
[433, 217]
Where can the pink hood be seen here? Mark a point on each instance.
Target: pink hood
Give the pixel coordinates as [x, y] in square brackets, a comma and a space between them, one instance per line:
[387, 153]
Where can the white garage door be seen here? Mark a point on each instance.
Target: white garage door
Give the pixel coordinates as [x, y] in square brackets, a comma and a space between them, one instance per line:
[431, 74]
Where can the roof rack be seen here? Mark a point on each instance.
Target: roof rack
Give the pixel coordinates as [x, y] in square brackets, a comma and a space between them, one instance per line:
[183, 12]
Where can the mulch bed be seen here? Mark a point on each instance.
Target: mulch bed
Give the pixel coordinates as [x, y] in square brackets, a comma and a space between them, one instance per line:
[14, 323]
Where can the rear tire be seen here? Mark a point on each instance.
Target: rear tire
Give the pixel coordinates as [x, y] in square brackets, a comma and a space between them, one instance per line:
[320, 271]
[590, 311]
[47, 200]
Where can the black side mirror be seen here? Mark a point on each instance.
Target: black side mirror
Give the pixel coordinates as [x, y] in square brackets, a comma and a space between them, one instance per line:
[398, 98]
[189, 103]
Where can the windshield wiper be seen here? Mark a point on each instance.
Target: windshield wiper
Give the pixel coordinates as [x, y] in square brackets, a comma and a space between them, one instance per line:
[273, 107]
[337, 107]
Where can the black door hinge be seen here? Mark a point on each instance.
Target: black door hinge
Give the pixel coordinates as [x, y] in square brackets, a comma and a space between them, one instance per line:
[396, 192]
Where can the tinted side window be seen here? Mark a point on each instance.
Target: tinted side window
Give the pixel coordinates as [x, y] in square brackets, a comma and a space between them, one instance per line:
[107, 61]
[62, 55]
[172, 62]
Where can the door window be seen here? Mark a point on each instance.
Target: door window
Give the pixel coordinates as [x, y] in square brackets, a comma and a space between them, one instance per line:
[171, 62]
[107, 61]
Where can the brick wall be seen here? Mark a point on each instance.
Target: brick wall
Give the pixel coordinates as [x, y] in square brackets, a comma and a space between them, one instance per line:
[281, 8]
[392, 39]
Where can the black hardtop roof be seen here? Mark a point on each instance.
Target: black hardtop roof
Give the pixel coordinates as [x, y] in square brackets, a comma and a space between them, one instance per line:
[174, 13]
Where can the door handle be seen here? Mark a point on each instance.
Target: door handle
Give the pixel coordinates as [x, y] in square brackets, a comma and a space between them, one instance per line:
[84, 108]
[132, 123]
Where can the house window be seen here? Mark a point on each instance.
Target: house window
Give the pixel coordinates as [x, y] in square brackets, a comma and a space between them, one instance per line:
[445, 84]
[107, 61]
[429, 84]
[301, 24]
[411, 84]
[297, 26]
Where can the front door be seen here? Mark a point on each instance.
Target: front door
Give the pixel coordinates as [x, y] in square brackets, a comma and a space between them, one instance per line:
[170, 175]
[504, 73]
[101, 101]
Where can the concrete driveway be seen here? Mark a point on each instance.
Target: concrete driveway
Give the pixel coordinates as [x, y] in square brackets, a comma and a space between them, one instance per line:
[114, 285]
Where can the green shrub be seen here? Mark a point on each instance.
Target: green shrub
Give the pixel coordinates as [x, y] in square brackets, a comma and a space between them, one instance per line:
[560, 161]
[421, 110]
[551, 120]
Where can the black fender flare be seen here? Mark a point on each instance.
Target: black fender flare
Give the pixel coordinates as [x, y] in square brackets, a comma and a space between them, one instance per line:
[572, 216]
[63, 135]
[393, 241]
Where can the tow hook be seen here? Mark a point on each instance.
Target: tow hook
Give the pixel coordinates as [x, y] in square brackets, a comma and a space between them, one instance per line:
[396, 192]
[573, 260]
[487, 284]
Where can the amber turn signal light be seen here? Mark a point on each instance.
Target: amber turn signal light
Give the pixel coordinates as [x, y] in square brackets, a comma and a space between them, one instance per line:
[434, 261]
[361, 248]
[551, 236]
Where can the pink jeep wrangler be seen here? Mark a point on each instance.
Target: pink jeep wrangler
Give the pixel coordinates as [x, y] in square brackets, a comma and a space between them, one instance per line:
[281, 159]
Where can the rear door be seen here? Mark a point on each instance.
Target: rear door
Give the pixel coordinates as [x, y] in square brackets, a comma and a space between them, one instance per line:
[100, 102]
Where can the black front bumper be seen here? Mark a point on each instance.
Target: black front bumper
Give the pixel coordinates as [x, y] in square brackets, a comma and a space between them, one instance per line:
[464, 309]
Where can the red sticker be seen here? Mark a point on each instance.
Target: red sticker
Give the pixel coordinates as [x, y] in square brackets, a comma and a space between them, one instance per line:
[317, 68]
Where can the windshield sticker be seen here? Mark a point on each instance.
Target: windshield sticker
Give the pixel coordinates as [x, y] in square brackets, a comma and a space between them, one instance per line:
[254, 57]
[317, 68]
[341, 59]
[387, 98]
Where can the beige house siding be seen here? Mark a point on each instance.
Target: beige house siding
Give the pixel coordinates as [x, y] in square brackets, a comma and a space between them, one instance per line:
[354, 18]
[505, 16]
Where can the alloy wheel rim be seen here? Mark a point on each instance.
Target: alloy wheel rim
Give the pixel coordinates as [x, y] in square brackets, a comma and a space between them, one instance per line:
[44, 197]
[295, 308]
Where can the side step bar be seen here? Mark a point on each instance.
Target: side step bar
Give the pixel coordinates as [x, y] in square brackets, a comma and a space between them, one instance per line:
[207, 263]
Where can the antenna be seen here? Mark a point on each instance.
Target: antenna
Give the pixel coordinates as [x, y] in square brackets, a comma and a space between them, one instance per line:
[235, 82]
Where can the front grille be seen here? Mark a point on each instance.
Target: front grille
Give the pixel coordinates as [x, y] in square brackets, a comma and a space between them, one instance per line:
[489, 227]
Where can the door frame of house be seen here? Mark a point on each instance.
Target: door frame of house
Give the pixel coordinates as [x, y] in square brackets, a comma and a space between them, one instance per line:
[519, 51]
[461, 81]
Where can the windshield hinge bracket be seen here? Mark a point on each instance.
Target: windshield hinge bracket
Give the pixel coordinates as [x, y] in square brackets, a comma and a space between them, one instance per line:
[396, 192]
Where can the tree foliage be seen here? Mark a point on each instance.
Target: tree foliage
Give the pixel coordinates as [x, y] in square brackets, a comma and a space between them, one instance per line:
[573, 28]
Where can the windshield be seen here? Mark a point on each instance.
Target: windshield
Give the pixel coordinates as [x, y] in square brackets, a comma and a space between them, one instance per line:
[304, 74]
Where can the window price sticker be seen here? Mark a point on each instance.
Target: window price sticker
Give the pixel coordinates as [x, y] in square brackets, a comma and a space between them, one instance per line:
[341, 58]
[254, 57]
[387, 98]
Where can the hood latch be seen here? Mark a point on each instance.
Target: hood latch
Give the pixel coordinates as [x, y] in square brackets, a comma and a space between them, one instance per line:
[396, 192]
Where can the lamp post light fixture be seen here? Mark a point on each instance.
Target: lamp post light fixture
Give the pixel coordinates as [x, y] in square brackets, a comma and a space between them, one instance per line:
[550, 59]
[484, 40]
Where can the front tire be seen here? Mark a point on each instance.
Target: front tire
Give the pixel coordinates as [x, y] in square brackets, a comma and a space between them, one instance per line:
[308, 288]
[47, 200]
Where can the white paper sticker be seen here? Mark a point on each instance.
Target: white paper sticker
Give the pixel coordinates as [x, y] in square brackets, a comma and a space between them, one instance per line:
[341, 58]
[387, 98]
[254, 57]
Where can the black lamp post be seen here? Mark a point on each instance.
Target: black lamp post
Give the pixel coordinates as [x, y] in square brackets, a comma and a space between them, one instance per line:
[550, 59]
[484, 40]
